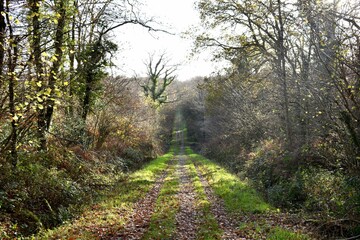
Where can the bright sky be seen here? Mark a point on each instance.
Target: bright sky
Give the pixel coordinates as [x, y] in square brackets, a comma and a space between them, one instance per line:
[137, 43]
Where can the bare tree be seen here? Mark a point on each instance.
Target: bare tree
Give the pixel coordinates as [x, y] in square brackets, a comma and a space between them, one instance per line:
[160, 76]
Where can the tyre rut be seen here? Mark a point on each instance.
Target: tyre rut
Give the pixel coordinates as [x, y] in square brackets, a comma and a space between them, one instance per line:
[226, 223]
[139, 220]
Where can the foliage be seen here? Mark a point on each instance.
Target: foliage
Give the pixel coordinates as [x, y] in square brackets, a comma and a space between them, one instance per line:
[104, 217]
[47, 189]
[283, 114]
[326, 191]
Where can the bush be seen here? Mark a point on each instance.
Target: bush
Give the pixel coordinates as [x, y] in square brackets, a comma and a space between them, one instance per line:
[35, 194]
[326, 191]
[47, 189]
[287, 193]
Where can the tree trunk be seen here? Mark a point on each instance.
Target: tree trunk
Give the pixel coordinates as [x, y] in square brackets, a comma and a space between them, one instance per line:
[13, 56]
[36, 47]
[282, 76]
[13, 139]
[59, 39]
[2, 40]
[87, 96]
[72, 71]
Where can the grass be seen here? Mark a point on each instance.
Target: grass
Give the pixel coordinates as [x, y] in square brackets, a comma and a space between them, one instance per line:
[238, 196]
[208, 226]
[109, 215]
[239, 200]
[284, 234]
[163, 222]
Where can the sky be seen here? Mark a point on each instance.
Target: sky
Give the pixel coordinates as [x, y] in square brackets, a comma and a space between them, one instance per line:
[136, 43]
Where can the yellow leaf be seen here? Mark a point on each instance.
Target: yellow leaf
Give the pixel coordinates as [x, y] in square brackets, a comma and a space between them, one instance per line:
[40, 106]
[53, 59]
[66, 84]
[39, 84]
[15, 117]
[58, 92]
[47, 92]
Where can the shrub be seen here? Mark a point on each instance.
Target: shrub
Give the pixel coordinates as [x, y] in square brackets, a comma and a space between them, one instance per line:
[287, 193]
[47, 189]
[326, 190]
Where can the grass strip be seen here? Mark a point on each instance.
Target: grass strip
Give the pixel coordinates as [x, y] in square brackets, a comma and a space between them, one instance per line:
[163, 222]
[208, 226]
[237, 195]
[240, 199]
[111, 214]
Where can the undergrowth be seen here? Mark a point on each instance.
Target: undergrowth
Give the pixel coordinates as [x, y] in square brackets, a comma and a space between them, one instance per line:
[109, 215]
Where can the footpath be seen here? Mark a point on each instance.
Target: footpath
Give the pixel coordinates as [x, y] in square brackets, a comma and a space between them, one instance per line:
[181, 195]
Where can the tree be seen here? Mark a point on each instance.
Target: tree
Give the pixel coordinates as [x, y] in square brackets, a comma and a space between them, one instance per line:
[265, 26]
[90, 33]
[13, 55]
[2, 40]
[160, 76]
[53, 56]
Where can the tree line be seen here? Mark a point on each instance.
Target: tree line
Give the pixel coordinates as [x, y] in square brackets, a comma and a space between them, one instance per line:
[53, 56]
[285, 113]
[69, 129]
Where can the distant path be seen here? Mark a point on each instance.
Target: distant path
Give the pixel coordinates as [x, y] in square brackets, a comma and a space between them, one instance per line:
[186, 218]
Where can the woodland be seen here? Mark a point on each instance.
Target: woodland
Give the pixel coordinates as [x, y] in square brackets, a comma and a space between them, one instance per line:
[266, 148]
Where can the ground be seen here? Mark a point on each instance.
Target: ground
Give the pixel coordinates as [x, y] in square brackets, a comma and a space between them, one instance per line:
[182, 195]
